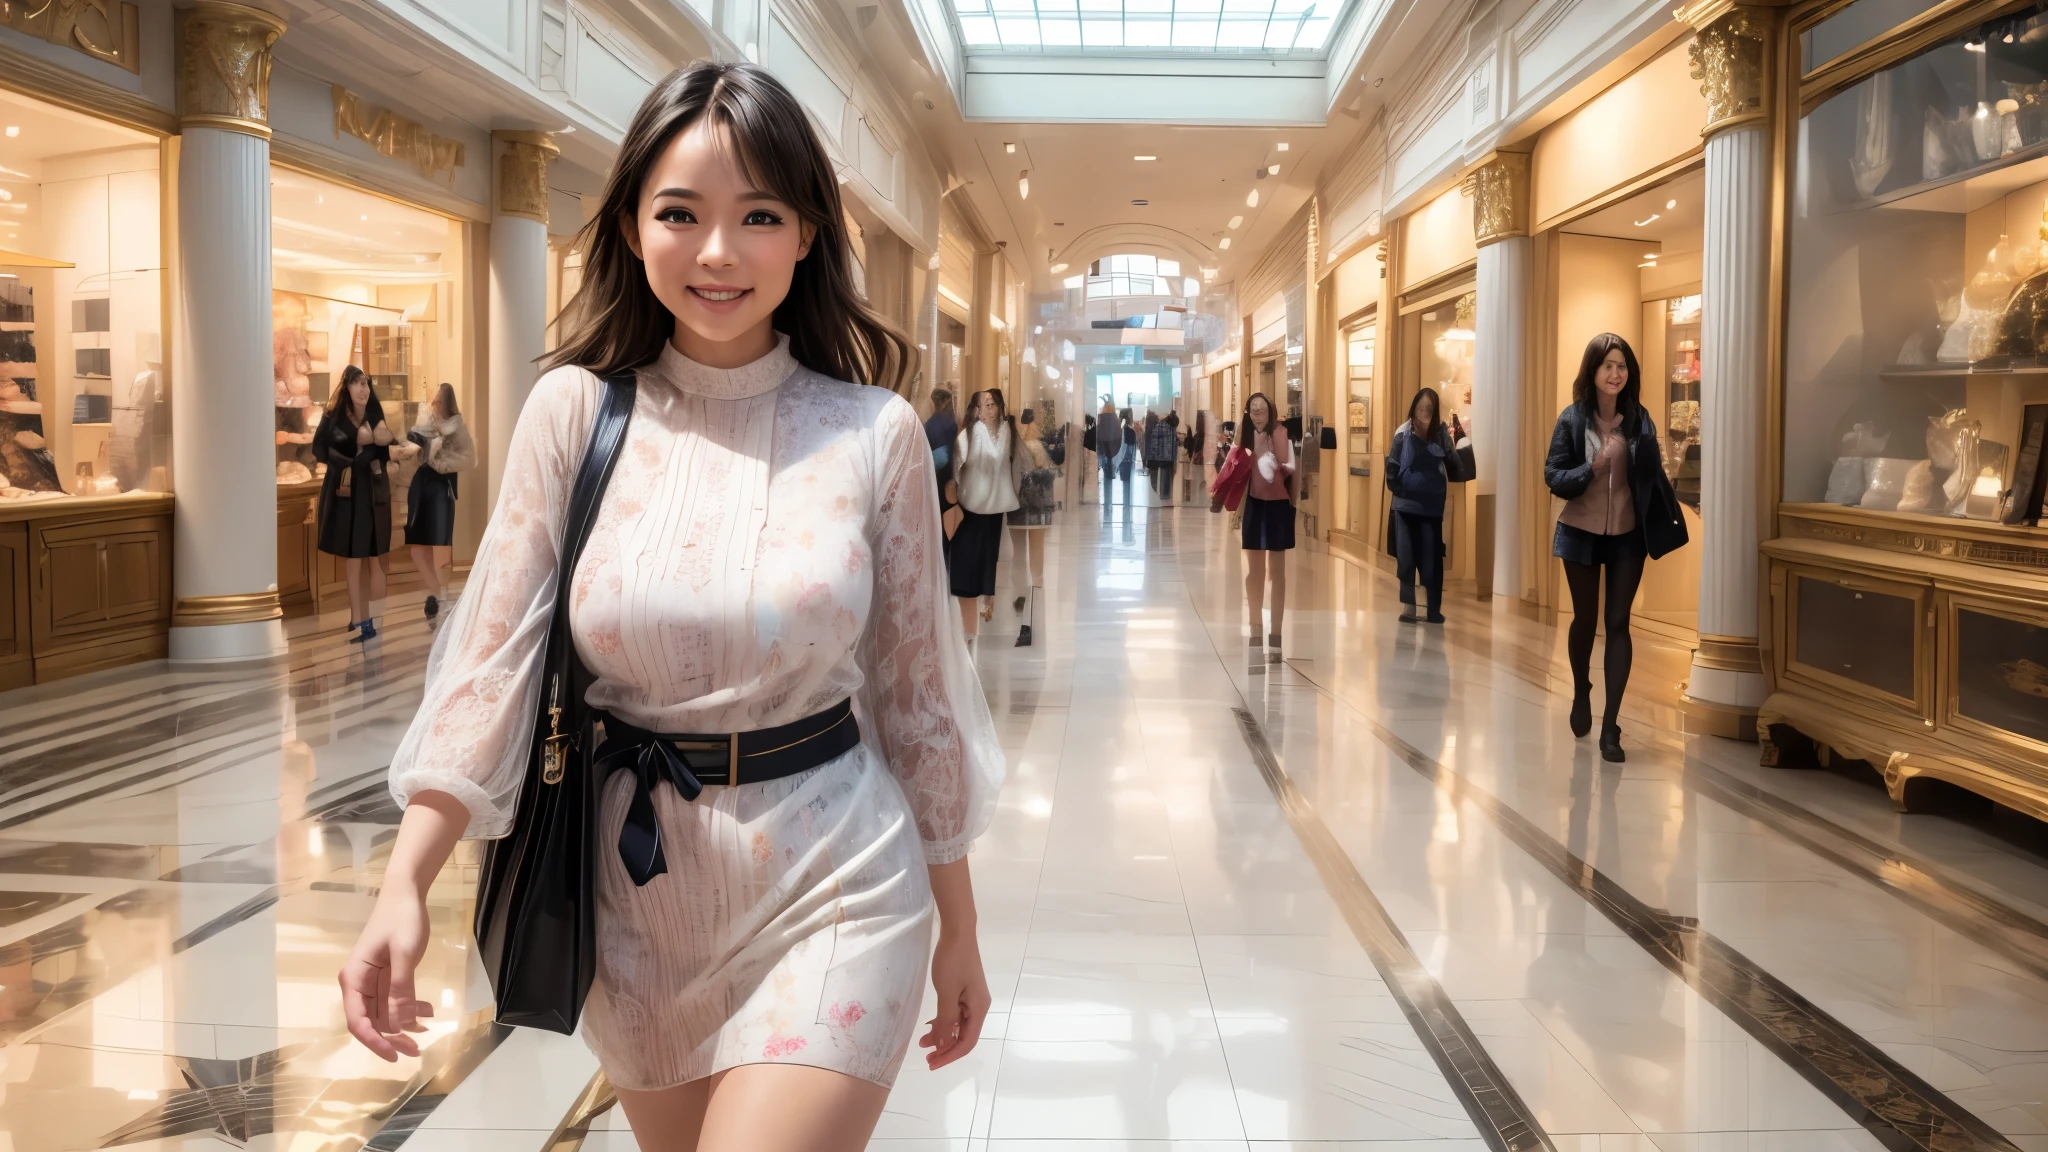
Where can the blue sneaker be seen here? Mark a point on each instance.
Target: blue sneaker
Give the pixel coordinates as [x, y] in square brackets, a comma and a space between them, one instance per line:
[369, 632]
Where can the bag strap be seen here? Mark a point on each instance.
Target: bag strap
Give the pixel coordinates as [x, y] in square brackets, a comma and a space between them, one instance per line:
[600, 457]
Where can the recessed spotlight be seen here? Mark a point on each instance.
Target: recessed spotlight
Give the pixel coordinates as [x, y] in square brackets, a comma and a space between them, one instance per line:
[365, 218]
[1140, 203]
[1223, 243]
[14, 129]
[1381, 80]
[1272, 169]
[1024, 185]
[1282, 146]
[1252, 200]
[1143, 158]
[1670, 204]
[1009, 147]
[1235, 221]
[1057, 269]
[1649, 255]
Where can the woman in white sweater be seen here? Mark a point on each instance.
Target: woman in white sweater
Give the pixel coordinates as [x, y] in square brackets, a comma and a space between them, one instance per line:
[987, 466]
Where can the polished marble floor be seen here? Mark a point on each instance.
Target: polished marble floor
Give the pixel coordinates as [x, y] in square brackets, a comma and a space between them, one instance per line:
[1368, 894]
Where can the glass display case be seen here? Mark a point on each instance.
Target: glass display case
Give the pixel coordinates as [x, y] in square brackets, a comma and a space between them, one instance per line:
[1682, 397]
[83, 408]
[1917, 335]
[1358, 368]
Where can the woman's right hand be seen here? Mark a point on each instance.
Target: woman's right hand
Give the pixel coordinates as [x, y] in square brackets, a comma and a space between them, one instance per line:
[377, 992]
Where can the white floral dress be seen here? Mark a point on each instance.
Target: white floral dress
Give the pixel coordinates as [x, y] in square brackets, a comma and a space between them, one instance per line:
[768, 546]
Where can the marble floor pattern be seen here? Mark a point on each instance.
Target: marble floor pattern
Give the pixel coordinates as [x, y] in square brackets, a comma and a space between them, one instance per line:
[1232, 900]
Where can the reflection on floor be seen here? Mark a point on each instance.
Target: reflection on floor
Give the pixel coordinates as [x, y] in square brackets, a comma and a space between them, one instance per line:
[1368, 894]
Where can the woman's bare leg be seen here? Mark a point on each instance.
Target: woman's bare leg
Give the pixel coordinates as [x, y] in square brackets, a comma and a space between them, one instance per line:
[667, 1120]
[1255, 592]
[375, 566]
[1037, 538]
[430, 574]
[789, 1108]
[358, 590]
[1277, 576]
[444, 564]
[969, 616]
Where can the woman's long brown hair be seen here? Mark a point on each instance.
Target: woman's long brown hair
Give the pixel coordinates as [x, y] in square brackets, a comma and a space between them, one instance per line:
[615, 321]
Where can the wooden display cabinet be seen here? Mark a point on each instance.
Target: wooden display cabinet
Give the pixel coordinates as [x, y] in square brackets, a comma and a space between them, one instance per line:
[85, 584]
[1916, 642]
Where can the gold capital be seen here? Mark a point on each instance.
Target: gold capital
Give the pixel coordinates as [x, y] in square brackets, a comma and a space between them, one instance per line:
[1500, 197]
[224, 67]
[1728, 54]
[396, 137]
[523, 160]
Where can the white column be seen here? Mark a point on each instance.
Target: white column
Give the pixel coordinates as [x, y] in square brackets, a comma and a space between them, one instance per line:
[1733, 311]
[519, 287]
[224, 558]
[1497, 364]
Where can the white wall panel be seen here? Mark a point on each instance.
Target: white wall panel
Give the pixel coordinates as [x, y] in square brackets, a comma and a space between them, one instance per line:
[494, 23]
[877, 161]
[813, 86]
[606, 84]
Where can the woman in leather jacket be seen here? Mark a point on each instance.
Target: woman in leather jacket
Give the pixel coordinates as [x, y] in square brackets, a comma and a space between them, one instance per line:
[1423, 463]
[355, 497]
[1605, 464]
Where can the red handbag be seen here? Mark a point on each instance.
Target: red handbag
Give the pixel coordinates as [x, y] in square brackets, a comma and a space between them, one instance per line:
[1232, 480]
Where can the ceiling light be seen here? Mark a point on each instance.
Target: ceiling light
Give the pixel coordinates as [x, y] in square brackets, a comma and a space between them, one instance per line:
[1234, 222]
[1223, 243]
[1283, 146]
[1647, 219]
[14, 129]
[1208, 273]
[1647, 264]
[1649, 255]
[1670, 204]
[1023, 185]
[1140, 203]
[1252, 200]
[5, 194]
[365, 218]
[1272, 170]
[1051, 373]
[1009, 147]
[1143, 158]
[1057, 269]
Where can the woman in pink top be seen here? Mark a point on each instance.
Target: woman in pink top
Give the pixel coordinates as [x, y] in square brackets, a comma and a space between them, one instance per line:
[1268, 512]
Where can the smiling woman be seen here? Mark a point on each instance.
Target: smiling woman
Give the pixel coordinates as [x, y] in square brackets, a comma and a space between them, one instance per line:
[763, 564]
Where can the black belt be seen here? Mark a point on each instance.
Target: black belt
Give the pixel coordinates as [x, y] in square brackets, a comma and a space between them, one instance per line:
[690, 762]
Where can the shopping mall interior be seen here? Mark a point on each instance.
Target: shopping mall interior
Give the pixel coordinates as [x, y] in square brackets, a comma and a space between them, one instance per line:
[1358, 875]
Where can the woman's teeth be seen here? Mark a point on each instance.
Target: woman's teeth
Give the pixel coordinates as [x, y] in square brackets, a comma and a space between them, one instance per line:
[722, 294]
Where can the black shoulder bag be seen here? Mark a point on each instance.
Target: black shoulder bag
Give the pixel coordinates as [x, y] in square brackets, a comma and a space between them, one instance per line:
[536, 905]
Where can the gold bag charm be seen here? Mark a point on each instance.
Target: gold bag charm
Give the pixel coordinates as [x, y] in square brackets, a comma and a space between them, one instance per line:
[555, 749]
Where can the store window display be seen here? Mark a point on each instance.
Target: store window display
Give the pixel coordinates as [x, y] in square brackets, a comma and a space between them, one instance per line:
[359, 281]
[1449, 337]
[82, 383]
[1917, 343]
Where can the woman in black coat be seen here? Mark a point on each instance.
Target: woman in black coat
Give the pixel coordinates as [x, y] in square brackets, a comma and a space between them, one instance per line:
[355, 497]
[1620, 511]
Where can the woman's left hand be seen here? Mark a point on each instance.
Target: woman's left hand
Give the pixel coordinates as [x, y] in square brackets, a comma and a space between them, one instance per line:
[964, 999]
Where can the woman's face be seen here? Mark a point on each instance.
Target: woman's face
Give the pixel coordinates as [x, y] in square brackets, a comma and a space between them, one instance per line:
[1259, 412]
[359, 394]
[987, 410]
[1612, 375]
[1425, 412]
[720, 253]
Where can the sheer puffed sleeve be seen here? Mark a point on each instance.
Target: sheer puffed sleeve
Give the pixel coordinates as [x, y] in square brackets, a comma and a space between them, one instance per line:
[921, 693]
[470, 736]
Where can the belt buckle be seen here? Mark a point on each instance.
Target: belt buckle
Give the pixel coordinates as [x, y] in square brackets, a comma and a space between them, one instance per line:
[729, 744]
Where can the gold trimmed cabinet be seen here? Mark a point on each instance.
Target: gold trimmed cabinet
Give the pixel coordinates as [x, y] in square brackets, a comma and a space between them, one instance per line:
[1918, 643]
[85, 584]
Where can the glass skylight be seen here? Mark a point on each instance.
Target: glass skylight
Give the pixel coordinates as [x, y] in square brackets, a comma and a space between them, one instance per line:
[1251, 27]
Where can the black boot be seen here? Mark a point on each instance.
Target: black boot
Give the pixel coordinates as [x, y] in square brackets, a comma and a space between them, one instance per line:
[1023, 637]
[1610, 744]
[1582, 709]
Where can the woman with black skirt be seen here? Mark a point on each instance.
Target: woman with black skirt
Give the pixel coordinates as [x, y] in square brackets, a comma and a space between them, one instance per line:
[355, 498]
[1268, 532]
[1605, 464]
[986, 466]
[446, 449]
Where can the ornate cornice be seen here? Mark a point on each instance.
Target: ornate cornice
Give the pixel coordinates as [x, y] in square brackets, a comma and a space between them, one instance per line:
[523, 159]
[1500, 198]
[102, 29]
[1728, 54]
[395, 137]
[224, 67]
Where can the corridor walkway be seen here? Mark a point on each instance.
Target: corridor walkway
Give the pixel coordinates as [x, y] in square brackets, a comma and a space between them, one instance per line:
[1369, 896]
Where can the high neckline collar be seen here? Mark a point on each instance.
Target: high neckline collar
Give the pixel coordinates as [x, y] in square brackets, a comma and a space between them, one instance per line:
[748, 380]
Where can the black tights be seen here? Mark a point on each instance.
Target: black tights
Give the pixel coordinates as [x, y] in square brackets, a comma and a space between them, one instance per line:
[1624, 572]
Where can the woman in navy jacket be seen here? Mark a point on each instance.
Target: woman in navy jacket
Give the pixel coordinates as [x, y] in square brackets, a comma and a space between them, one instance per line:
[1426, 459]
[1619, 512]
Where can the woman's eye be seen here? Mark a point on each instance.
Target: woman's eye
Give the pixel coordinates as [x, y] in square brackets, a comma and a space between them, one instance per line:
[676, 216]
[763, 216]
